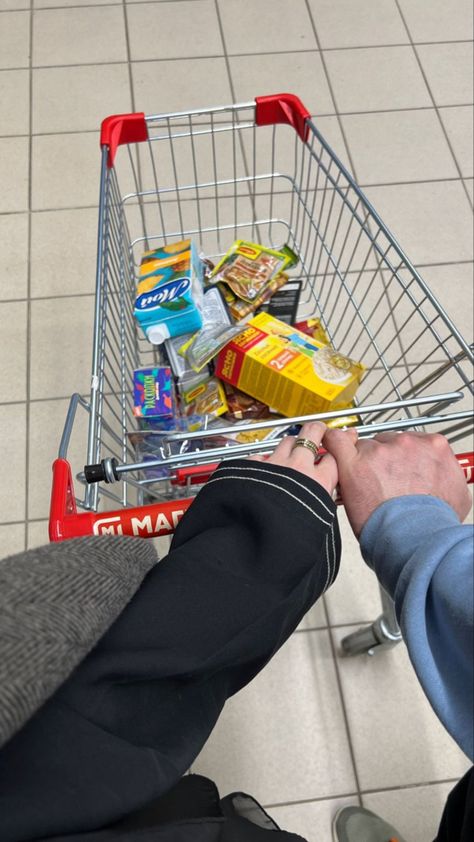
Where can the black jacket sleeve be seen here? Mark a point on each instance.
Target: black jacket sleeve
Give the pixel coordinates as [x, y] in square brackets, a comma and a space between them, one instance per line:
[257, 547]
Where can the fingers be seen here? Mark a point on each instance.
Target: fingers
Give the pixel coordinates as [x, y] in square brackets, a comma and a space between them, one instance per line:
[326, 473]
[342, 444]
[302, 458]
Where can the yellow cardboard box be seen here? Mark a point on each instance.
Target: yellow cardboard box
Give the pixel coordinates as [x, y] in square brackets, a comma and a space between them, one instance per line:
[288, 370]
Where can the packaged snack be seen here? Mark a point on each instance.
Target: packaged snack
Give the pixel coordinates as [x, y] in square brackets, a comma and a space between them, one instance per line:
[242, 407]
[240, 309]
[153, 394]
[205, 345]
[169, 291]
[179, 365]
[284, 304]
[286, 369]
[313, 328]
[213, 312]
[205, 397]
[247, 268]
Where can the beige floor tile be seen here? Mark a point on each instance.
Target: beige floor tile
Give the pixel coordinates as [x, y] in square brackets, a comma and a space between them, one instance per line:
[12, 539]
[386, 707]
[287, 26]
[452, 286]
[398, 146]
[14, 39]
[458, 123]
[355, 595]
[331, 132]
[63, 252]
[315, 618]
[376, 79]
[87, 94]
[48, 4]
[438, 20]
[46, 426]
[66, 171]
[469, 182]
[37, 534]
[72, 36]
[430, 220]
[312, 820]
[270, 73]
[174, 30]
[14, 5]
[13, 256]
[415, 813]
[13, 316]
[282, 738]
[448, 68]
[13, 174]
[14, 102]
[163, 86]
[361, 24]
[63, 324]
[12, 492]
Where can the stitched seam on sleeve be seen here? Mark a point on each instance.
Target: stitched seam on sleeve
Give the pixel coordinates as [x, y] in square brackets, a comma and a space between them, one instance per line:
[284, 476]
[272, 485]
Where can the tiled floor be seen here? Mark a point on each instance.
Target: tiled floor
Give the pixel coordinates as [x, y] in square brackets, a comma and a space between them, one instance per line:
[390, 83]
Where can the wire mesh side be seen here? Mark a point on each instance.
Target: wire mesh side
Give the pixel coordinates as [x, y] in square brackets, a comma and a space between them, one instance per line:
[216, 177]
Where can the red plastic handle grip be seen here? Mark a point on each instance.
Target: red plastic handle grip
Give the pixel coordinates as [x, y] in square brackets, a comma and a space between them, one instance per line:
[196, 475]
[122, 128]
[282, 108]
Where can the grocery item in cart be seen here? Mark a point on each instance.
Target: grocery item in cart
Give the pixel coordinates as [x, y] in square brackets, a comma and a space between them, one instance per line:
[169, 291]
[244, 407]
[206, 397]
[213, 313]
[314, 328]
[241, 309]
[153, 394]
[248, 268]
[284, 304]
[286, 369]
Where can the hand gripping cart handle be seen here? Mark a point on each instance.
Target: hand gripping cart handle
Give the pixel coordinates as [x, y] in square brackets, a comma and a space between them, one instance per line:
[260, 171]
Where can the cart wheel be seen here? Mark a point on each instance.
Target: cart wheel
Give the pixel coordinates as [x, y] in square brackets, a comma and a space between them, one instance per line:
[362, 641]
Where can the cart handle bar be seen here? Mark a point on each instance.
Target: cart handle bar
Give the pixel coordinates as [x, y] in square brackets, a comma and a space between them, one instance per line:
[119, 129]
[151, 521]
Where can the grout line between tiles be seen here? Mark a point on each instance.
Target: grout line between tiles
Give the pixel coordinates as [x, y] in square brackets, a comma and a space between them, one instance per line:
[435, 105]
[343, 704]
[355, 794]
[28, 279]
[316, 800]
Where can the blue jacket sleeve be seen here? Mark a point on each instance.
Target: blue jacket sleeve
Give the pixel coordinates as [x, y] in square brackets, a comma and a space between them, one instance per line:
[423, 557]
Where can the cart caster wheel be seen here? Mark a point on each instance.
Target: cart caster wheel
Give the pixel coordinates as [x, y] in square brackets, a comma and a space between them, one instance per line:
[362, 641]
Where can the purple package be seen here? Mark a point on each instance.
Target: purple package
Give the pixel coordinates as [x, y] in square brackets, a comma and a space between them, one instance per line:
[153, 393]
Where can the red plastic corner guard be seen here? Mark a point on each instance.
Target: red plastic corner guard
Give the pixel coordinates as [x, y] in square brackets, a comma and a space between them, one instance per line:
[142, 521]
[122, 128]
[282, 108]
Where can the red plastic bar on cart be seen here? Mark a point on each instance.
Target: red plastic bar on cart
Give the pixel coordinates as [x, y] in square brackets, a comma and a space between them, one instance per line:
[149, 521]
[282, 108]
[122, 128]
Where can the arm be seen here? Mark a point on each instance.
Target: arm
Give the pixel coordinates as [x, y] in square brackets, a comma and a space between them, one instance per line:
[422, 556]
[405, 496]
[255, 550]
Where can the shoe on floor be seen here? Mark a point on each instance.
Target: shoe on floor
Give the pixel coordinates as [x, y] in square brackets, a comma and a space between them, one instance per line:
[356, 824]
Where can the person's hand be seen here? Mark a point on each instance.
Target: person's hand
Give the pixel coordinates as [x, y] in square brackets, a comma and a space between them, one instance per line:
[302, 459]
[392, 465]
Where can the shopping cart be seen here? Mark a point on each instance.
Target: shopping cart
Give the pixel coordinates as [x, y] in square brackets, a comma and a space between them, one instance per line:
[259, 171]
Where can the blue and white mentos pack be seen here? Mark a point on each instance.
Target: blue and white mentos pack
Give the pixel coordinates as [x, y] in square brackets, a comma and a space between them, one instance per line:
[169, 291]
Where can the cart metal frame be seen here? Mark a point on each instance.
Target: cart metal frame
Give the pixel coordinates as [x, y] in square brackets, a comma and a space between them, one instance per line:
[258, 170]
